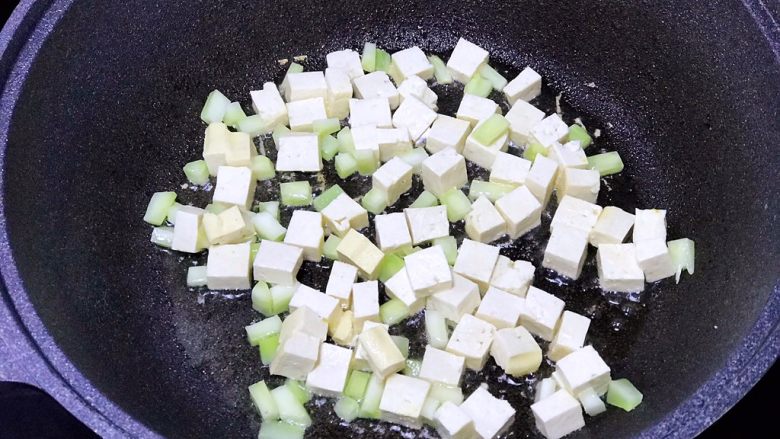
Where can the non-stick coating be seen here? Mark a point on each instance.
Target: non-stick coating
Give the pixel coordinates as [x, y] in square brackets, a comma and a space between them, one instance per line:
[685, 91]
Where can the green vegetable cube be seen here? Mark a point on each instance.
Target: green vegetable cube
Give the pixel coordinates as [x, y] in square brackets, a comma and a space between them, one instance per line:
[346, 165]
[356, 384]
[457, 203]
[577, 132]
[263, 168]
[296, 193]
[491, 129]
[322, 200]
[157, 210]
[390, 265]
[197, 172]
[374, 201]
[623, 394]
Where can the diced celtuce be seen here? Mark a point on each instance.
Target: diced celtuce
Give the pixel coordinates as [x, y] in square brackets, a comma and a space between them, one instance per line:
[496, 79]
[329, 249]
[268, 347]
[196, 276]
[383, 61]
[607, 163]
[440, 70]
[281, 295]
[683, 253]
[478, 86]
[262, 168]
[197, 172]
[270, 207]
[346, 142]
[262, 300]
[533, 149]
[425, 199]
[390, 265]
[369, 407]
[322, 200]
[493, 191]
[329, 147]
[374, 201]
[347, 408]
[393, 311]
[215, 107]
[491, 129]
[162, 236]
[171, 215]
[234, 114]
[436, 329]
[258, 331]
[346, 165]
[295, 193]
[623, 394]
[450, 246]
[290, 409]
[294, 68]
[357, 384]
[279, 132]
[280, 430]
[368, 60]
[457, 203]
[591, 402]
[157, 210]
[263, 401]
[324, 127]
[267, 227]
[577, 132]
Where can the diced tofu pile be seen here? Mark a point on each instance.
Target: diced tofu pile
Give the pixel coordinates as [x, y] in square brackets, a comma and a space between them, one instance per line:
[391, 259]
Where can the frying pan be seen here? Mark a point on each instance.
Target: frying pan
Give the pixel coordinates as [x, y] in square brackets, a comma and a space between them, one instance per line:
[99, 109]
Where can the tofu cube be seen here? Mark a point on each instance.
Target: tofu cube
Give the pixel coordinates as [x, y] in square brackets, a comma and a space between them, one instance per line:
[342, 277]
[428, 271]
[649, 224]
[443, 171]
[398, 287]
[393, 179]
[322, 304]
[565, 251]
[235, 185]
[541, 178]
[412, 62]
[522, 117]
[270, 106]
[277, 263]
[526, 86]
[474, 109]
[509, 169]
[230, 226]
[414, 116]
[392, 142]
[558, 415]
[304, 85]
[583, 369]
[227, 267]
[575, 213]
[427, 223]
[305, 231]
[492, 416]
[299, 153]
[303, 321]
[516, 351]
[549, 130]
[570, 335]
[541, 312]
[216, 142]
[499, 308]
[580, 183]
[188, 233]
[339, 93]
[447, 132]
[452, 422]
[512, 276]
[305, 111]
[484, 223]
[460, 299]
[240, 150]
[654, 259]
[472, 338]
[340, 328]
[440, 366]
[365, 302]
[344, 214]
[392, 232]
[521, 211]
[360, 252]
[482, 154]
[346, 60]
[476, 262]
[416, 87]
[382, 354]
[296, 357]
[611, 227]
[619, 269]
[569, 155]
[403, 399]
[466, 59]
[370, 112]
[360, 361]
[366, 138]
[329, 376]
[376, 85]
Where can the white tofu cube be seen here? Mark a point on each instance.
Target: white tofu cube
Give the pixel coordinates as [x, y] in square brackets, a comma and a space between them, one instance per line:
[296, 357]
[611, 227]
[516, 351]
[476, 262]
[466, 59]
[216, 143]
[566, 251]
[398, 287]
[545, 388]
[471, 338]
[509, 169]
[370, 112]
[305, 111]
[522, 117]
[427, 223]
[227, 267]
[392, 142]
[360, 360]
[558, 415]
[303, 321]
[230, 226]
[269, 105]
[580, 183]
[618, 268]
[492, 416]
[549, 130]
[344, 214]
[443, 171]
[499, 308]
[376, 85]
[521, 211]
[570, 335]
[654, 259]
[649, 224]
[403, 399]
[392, 232]
[476, 108]
[393, 179]
[305, 231]
[340, 328]
[365, 302]
[541, 178]
[277, 263]
[339, 93]
[241, 150]
[462, 298]
[569, 155]
[541, 313]
[415, 116]
[428, 271]
[447, 132]
[366, 138]
[484, 223]
[452, 422]
[299, 153]
[329, 376]
[416, 87]
[323, 305]
[526, 86]
[347, 60]
[412, 62]
[235, 185]
[482, 154]
[512, 276]
[360, 252]
[188, 235]
[582, 369]
[381, 352]
[342, 277]
[304, 85]
[575, 213]
[440, 366]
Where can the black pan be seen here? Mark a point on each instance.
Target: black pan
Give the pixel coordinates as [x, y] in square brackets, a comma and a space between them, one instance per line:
[100, 109]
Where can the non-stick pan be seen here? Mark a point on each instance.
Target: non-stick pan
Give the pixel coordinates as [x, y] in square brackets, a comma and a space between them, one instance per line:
[100, 108]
